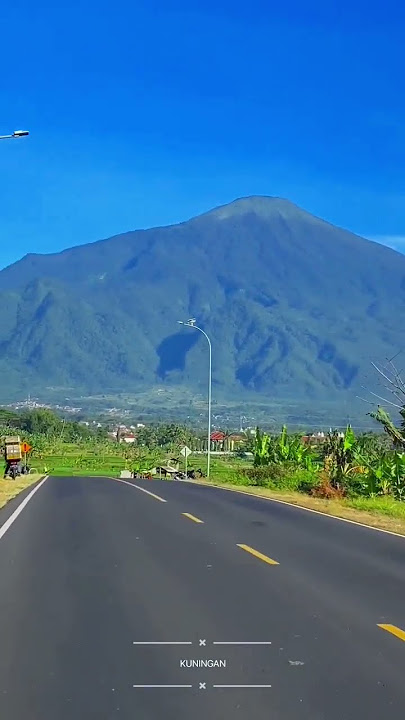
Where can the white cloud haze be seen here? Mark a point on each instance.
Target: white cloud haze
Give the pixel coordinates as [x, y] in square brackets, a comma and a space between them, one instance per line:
[396, 242]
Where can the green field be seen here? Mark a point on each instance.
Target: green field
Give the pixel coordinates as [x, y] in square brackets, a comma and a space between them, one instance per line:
[72, 459]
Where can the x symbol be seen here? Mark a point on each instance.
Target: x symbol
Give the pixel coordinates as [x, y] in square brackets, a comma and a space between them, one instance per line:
[202, 643]
[202, 686]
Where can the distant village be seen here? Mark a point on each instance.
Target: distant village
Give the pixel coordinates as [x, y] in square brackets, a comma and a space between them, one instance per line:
[221, 442]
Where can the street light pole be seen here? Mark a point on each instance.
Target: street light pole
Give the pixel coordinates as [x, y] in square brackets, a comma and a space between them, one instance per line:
[15, 134]
[191, 323]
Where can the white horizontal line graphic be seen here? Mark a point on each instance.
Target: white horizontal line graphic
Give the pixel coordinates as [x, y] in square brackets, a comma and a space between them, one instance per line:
[242, 642]
[158, 642]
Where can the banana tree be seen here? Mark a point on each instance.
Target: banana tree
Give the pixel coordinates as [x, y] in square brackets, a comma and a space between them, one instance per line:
[341, 459]
[290, 448]
[261, 448]
[396, 470]
[397, 435]
[285, 448]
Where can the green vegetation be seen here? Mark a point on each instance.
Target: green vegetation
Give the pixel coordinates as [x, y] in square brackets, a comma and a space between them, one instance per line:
[67, 447]
[358, 477]
[342, 466]
[294, 308]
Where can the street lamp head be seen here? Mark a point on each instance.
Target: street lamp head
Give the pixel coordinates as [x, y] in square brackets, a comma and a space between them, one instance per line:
[190, 323]
[20, 133]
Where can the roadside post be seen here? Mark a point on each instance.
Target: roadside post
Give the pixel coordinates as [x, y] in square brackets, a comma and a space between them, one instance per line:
[186, 452]
[26, 448]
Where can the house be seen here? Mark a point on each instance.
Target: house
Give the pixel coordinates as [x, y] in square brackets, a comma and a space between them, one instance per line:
[222, 442]
[235, 440]
[317, 438]
[217, 440]
[123, 434]
[314, 438]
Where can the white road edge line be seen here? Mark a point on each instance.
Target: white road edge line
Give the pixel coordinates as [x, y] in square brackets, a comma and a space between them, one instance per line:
[139, 488]
[20, 508]
[300, 507]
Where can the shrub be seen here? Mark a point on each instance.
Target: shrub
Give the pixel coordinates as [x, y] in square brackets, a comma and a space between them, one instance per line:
[284, 476]
[324, 488]
[256, 476]
[307, 479]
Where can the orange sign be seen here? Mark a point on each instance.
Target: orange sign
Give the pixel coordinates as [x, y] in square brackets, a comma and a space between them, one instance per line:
[25, 447]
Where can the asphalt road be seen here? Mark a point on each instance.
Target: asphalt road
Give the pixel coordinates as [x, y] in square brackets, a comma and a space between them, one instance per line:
[92, 566]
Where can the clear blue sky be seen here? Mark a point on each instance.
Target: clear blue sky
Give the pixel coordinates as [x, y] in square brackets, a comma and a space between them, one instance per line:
[147, 112]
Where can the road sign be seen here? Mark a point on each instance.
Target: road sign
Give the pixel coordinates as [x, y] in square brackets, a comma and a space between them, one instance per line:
[186, 451]
[25, 447]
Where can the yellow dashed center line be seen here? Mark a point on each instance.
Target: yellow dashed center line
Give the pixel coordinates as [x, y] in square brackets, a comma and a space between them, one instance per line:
[258, 554]
[394, 631]
[193, 518]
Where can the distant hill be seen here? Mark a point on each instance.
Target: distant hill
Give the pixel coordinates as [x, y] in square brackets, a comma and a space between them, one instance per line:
[295, 308]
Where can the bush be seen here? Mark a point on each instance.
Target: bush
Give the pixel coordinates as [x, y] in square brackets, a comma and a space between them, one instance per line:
[307, 480]
[284, 476]
[259, 476]
[326, 491]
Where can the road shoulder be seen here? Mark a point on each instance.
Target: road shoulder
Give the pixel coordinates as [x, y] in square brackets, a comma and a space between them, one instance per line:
[332, 508]
[13, 492]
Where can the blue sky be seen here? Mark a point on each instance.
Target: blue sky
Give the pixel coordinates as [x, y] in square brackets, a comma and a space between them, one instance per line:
[144, 113]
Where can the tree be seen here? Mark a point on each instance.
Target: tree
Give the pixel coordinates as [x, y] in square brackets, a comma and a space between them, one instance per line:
[396, 386]
[170, 436]
[397, 435]
[140, 459]
[10, 419]
[101, 433]
[41, 421]
[147, 437]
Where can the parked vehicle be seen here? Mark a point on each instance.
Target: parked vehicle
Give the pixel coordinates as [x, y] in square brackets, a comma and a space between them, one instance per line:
[13, 456]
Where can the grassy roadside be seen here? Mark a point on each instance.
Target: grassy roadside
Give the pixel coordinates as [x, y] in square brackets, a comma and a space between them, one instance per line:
[380, 512]
[10, 488]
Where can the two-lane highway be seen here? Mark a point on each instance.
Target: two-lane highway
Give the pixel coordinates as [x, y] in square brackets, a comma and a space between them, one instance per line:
[161, 600]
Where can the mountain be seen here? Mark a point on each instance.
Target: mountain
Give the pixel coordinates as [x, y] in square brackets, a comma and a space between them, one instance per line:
[295, 307]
